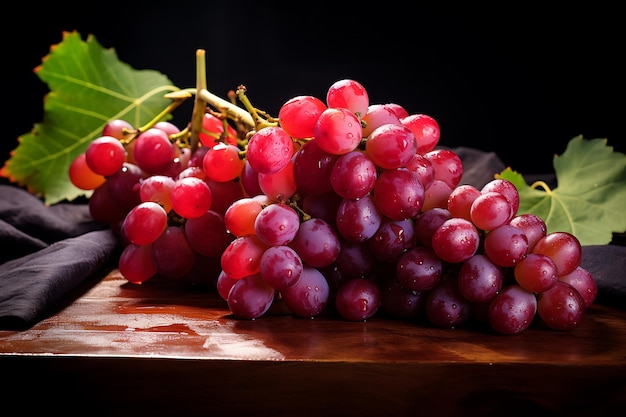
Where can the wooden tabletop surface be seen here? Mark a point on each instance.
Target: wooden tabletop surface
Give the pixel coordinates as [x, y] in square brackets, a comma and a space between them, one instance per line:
[190, 357]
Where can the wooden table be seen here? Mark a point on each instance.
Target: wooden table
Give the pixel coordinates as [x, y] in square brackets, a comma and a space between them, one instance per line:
[158, 349]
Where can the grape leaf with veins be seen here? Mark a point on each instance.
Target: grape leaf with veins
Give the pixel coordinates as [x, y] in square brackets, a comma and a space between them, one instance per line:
[88, 87]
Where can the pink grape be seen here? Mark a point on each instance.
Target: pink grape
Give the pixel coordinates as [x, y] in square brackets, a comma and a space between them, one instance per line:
[222, 163]
[378, 115]
[358, 299]
[358, 220]
[398, 194]
[392, 239]
[456, 240]
[460, 201]
[312, 168]
[426, 130]
[533, 227]
[309, 296]
[144, 223]
[250, 297]
[280, 185]
[490, 210]
[338, 131]
[561, 307]
[277, 224]
[536, 273]
[105, 155]
[173, 256]
[582, 280]
[480, 280]
[269, 150]
[242, 257]
[317, 243]
[563, 248]
[191, 197]
[391, 146]
[506, 245]
[348, 94]
[353, 175]
[153, 150]
[281, 267]
[512, 310]
[445, 306]
[447, 166]
[298, 115]
[157, 188]
[419, 269]
[136, 263]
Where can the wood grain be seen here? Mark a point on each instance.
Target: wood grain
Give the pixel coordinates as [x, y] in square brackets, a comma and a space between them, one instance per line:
[163, 349]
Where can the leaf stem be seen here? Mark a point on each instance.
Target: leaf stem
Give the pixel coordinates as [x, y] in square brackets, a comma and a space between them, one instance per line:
[543, 185]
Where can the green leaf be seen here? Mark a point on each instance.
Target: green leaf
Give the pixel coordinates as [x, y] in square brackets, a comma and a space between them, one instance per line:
[88, 87]
[590, 198]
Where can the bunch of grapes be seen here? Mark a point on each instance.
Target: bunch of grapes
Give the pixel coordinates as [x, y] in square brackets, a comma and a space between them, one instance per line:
[336, 206]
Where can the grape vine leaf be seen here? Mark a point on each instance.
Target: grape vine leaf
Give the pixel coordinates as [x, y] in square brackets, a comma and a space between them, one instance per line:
[589, 200]
[88, 87]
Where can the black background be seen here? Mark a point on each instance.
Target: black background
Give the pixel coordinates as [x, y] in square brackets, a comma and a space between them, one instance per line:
[520, 82]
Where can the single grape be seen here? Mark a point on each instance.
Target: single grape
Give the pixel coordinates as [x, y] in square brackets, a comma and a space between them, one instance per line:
[428, 222]
[460, 201]
[456, 240]
[222, 163]
[398, 194]
[506, 245]
[512, 310]
[269, 150]
[242, 257]
[82, 176]
[281, 267]
[298, 115]
[250, 297]
[426, 130]
[105, 155]
[533, 227]
[353, 175]
[348, 94]
[358, 220]
[391, 146]
[136, 263]
[581, 279]
[280, 185]
[399, 302]
[536, 272]
[240, 216]
[355, 260]
[447, 166]
[419, 269]
[277, 224]
[312, 168]
[561, 307]
[309, 296]
[144, 223]
[378, 115]
[207, 234]
[445, 306]
[191, 197]
[173, 256]
[490, 210]
[480, 280]
[358, 299]
[153, 150]
[157, 188]
[392, 239]
[338, 131]
[317, 243]
[563, 248]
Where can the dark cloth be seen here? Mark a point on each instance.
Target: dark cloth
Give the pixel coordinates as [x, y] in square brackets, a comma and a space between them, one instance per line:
[48, 251]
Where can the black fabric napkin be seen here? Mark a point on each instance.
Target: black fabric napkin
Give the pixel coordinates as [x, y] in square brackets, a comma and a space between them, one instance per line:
[48, 251]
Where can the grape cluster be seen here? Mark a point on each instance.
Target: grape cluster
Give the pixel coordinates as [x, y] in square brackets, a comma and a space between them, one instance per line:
[338, 206]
